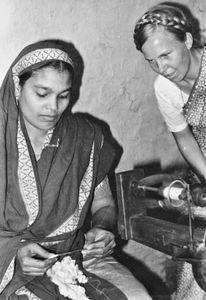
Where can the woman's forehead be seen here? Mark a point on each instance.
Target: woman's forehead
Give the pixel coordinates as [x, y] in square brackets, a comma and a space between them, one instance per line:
[159, 39]
[160, 32]
[49, 76]
[51, 69]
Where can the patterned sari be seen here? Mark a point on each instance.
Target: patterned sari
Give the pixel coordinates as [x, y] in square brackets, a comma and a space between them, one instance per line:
[195, 114]
[46, 201]
[195, 108]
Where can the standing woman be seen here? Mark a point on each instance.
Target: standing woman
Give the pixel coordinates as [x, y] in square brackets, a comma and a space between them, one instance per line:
[165, 35]
[53, 171]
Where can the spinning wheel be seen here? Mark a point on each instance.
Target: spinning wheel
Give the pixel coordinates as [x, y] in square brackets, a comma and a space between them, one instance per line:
[160, 211]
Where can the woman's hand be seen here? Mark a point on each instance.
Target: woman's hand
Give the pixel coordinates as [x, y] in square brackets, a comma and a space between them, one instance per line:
[99, 243]
[34, 260]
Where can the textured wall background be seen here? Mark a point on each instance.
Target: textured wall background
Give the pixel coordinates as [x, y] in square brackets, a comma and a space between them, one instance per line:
[117, 83]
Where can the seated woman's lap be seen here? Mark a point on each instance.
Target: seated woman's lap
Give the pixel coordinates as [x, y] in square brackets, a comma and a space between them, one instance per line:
[112, 271]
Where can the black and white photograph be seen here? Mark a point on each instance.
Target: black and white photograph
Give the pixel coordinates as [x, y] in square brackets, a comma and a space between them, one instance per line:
[102, 150]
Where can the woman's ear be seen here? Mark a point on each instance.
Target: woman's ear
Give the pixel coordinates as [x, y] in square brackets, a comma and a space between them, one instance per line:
[188, 40]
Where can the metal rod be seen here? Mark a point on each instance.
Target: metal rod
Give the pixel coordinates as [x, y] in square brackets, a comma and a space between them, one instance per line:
[148, 188]
[190, 215]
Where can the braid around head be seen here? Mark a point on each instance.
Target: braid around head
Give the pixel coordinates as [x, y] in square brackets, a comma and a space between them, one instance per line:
[157, 18]
[168, 15]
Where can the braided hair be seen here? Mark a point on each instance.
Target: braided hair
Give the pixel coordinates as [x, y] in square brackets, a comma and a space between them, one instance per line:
[175, 18]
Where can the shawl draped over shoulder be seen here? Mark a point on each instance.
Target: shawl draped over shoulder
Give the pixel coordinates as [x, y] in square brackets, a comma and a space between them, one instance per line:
[74, 162]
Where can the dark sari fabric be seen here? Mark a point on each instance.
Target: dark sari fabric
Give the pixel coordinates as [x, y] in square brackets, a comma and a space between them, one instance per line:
[195, 108]
[58, 175]
[96, 288]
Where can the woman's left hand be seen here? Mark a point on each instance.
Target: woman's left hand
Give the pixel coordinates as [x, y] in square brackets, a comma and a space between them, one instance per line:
[34, 260]
[99, 243]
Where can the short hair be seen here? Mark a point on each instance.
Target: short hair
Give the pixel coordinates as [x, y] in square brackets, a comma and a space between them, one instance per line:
[174, 17]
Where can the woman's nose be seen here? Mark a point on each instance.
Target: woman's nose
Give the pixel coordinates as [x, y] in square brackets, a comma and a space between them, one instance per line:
[161, 66]
[53, 104]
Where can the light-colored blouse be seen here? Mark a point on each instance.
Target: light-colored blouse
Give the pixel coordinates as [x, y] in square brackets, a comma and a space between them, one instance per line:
[171, 100]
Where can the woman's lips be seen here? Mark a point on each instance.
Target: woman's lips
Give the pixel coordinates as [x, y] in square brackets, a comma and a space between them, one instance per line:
[49, 118]
[170, 75]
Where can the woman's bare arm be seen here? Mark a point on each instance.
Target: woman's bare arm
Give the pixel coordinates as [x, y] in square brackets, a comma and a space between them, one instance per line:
[191, 152]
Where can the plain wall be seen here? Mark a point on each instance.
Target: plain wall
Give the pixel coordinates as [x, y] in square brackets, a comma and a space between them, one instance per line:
[117, 84]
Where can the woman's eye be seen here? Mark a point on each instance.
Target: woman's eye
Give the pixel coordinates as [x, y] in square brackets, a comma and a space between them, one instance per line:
[65, 96]
[41, 95]
[165, 56]
[152, 62]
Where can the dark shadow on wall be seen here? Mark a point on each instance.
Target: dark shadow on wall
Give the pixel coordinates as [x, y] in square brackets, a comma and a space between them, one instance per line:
[154, 167]
[118, 150]
[111, 141]
[150, 168]
[78, 74]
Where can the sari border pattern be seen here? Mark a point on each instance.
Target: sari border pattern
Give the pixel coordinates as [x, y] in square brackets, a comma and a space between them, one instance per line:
[27, 181]
[8, 275]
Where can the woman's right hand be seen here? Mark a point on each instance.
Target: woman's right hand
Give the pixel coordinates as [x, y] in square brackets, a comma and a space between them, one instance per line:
[34, 260]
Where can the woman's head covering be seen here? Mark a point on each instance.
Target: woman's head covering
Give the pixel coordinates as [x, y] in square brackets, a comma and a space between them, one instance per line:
[41, 52]
[30, 58]
[37, 55]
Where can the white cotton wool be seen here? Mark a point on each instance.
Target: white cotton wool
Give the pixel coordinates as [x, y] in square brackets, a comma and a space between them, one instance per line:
[67, 276]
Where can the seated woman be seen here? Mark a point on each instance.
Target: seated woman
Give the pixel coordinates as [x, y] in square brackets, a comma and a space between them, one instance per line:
[53, 173]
